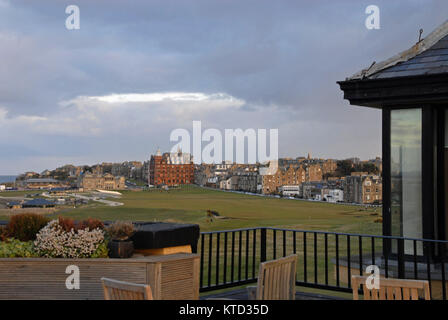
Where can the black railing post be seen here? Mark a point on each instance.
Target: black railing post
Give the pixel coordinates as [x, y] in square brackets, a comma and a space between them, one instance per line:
[202, 261]
[401, 269]
[210, 274]
[263, 245]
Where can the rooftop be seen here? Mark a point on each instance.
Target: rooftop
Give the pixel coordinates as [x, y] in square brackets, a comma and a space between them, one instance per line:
[38, 202]
[42, 180]
[426, 57]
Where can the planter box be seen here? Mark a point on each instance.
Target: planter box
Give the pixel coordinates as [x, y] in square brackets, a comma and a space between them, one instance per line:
[160, 235]
[171, 277]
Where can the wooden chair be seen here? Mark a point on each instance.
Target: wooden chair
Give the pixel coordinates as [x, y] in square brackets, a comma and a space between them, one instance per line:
[121, 290]
[391, 289]
[276, 280]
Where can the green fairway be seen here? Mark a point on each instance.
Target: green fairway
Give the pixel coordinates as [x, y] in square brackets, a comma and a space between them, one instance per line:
[12, 194]
[190, 204]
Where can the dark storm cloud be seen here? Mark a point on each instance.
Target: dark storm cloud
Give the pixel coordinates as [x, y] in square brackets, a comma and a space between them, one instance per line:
[282, 57]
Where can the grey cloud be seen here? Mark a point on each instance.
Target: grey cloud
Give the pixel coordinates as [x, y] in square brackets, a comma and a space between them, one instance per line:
[282, 54]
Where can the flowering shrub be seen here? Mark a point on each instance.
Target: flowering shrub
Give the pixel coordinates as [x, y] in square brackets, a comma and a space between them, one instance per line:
[25, 226]
[13, 248]
[53, 241]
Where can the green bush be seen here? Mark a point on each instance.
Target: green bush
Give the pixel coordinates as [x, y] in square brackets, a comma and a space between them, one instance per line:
[13, 248]
[24, 227]
[101, 251]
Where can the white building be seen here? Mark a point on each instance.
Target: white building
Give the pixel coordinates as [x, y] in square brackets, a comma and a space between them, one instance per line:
[221, 169]
[290, 191]
[334, 195]
[212, 180]
[225, 165]
[2, 187]
[230, 183]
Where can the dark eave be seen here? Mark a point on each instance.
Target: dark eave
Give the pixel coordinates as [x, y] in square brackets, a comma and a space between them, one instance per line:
[378, 93]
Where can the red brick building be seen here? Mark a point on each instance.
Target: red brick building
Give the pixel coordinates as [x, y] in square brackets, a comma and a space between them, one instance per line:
[171, 169]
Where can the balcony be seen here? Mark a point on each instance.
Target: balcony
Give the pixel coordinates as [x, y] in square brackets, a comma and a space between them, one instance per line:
[230, 260]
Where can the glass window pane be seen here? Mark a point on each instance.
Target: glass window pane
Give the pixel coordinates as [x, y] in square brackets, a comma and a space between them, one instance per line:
[446, 171]
[406, 174]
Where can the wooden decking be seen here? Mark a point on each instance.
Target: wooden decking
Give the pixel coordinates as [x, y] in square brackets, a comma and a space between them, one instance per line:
[241, 294]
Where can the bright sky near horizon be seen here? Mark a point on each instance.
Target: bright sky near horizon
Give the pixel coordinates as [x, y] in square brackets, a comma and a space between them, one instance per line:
[136, 70]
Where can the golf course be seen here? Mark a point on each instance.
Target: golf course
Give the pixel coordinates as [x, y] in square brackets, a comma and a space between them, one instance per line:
[190, 204]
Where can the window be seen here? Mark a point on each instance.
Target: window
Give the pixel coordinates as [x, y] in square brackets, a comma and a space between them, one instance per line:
[406, 174]
[445, 155]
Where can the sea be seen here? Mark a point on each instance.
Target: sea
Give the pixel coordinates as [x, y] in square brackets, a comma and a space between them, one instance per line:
[4, 179]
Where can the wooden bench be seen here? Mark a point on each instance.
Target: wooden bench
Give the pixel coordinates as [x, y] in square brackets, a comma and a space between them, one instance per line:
[391, 289]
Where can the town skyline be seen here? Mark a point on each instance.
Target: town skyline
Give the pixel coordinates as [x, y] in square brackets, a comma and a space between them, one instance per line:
[133, 74]
[302, 177]
[101, 162]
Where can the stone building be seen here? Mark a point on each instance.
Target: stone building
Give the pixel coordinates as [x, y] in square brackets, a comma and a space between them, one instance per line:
[249, 182]
[145, 171]
[313, 173]
[283, 176]
[363, 189]
[329, 166]
[171, 169]
[104, 182]
[312, 190]
[291, 176]
[203, 172]
[43, 183]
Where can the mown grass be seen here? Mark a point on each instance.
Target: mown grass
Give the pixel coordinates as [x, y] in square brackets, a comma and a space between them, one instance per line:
[190, 204]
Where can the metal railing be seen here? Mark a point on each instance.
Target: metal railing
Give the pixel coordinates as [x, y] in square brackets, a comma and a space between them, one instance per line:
[326, 260]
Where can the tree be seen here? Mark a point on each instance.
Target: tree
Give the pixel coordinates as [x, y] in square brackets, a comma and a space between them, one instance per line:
[370, 168]
[344, 168]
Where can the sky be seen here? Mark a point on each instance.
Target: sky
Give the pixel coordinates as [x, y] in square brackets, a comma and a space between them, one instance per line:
[116, 88]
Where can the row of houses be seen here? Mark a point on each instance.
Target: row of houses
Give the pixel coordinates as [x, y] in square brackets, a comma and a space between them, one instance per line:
[360, 188]
[261, 178]
[304, 180]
